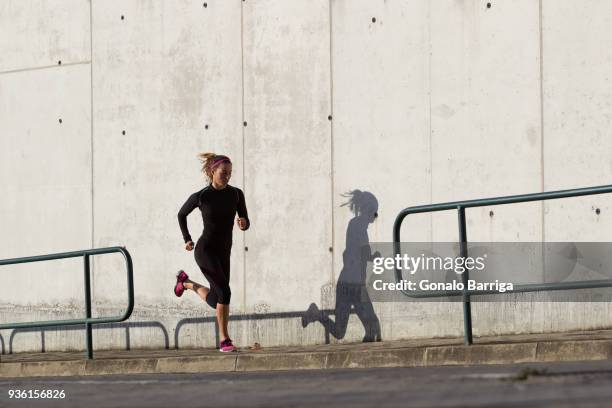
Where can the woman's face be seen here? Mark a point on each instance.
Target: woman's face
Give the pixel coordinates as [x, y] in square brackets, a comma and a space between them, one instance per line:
[222, 174]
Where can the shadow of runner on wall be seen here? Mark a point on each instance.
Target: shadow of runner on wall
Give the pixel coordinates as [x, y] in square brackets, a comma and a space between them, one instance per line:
[351, 291]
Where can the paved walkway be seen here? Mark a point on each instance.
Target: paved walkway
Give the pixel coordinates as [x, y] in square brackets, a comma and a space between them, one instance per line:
[574, 346]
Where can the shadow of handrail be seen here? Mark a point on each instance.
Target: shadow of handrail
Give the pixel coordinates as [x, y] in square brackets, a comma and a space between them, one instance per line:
[117, 325]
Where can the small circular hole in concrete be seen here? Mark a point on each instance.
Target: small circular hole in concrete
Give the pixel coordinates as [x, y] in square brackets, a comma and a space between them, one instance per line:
[59, 62]
[488, 5]
[244, 123]
[491, 213]
[329, 117]
[597, 211]
[60, 121]
[205, 5]
[246, 248]
[123, 17]
[123, 132]
[373, 19]
[206, 127]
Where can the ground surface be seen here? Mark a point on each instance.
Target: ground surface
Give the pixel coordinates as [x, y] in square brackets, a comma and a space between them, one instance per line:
[583, 384]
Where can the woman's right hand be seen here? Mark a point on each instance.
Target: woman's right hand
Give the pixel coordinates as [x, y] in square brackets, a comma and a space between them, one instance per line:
[189, 246]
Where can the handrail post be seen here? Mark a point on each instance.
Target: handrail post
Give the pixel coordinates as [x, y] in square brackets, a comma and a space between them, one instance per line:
[88, 320]
[460, 206]
[88, 330]
[467, 310]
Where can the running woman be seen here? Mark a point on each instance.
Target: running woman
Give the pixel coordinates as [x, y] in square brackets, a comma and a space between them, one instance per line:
[218, 202]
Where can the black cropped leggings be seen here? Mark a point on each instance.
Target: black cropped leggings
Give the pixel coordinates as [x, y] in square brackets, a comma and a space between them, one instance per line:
[215, 265]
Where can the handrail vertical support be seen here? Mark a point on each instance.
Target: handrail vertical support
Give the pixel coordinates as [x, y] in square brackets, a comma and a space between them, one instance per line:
[467, 310]
[88, 320]
[88, 330]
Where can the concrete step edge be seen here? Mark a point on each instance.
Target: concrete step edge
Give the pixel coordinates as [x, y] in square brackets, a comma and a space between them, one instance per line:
[501, 353]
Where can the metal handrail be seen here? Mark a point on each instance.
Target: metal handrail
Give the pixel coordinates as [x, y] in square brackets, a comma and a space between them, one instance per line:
[460, 206]
[88, 320]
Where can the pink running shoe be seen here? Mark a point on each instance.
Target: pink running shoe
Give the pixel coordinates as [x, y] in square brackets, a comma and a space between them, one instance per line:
[226, 346]
[179, 288]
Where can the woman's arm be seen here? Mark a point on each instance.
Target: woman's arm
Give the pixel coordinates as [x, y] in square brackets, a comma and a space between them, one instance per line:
[242, 210]
[186, 209]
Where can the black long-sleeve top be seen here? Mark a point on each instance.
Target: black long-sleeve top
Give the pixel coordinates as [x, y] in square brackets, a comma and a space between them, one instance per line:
[218, 210]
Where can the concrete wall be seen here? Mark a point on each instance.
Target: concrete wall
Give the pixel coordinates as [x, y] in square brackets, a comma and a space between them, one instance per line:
[413, 101]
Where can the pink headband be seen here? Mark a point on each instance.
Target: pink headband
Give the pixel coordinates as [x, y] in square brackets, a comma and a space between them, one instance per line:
[218, 160]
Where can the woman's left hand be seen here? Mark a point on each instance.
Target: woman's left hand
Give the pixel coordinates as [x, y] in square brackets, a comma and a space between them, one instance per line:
[241, 222]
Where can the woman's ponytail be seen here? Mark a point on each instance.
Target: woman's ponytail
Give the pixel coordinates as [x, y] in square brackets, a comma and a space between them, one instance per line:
[207, 159]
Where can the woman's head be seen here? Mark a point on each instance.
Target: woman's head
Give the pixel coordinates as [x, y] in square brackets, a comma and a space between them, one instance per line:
[216, 167]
